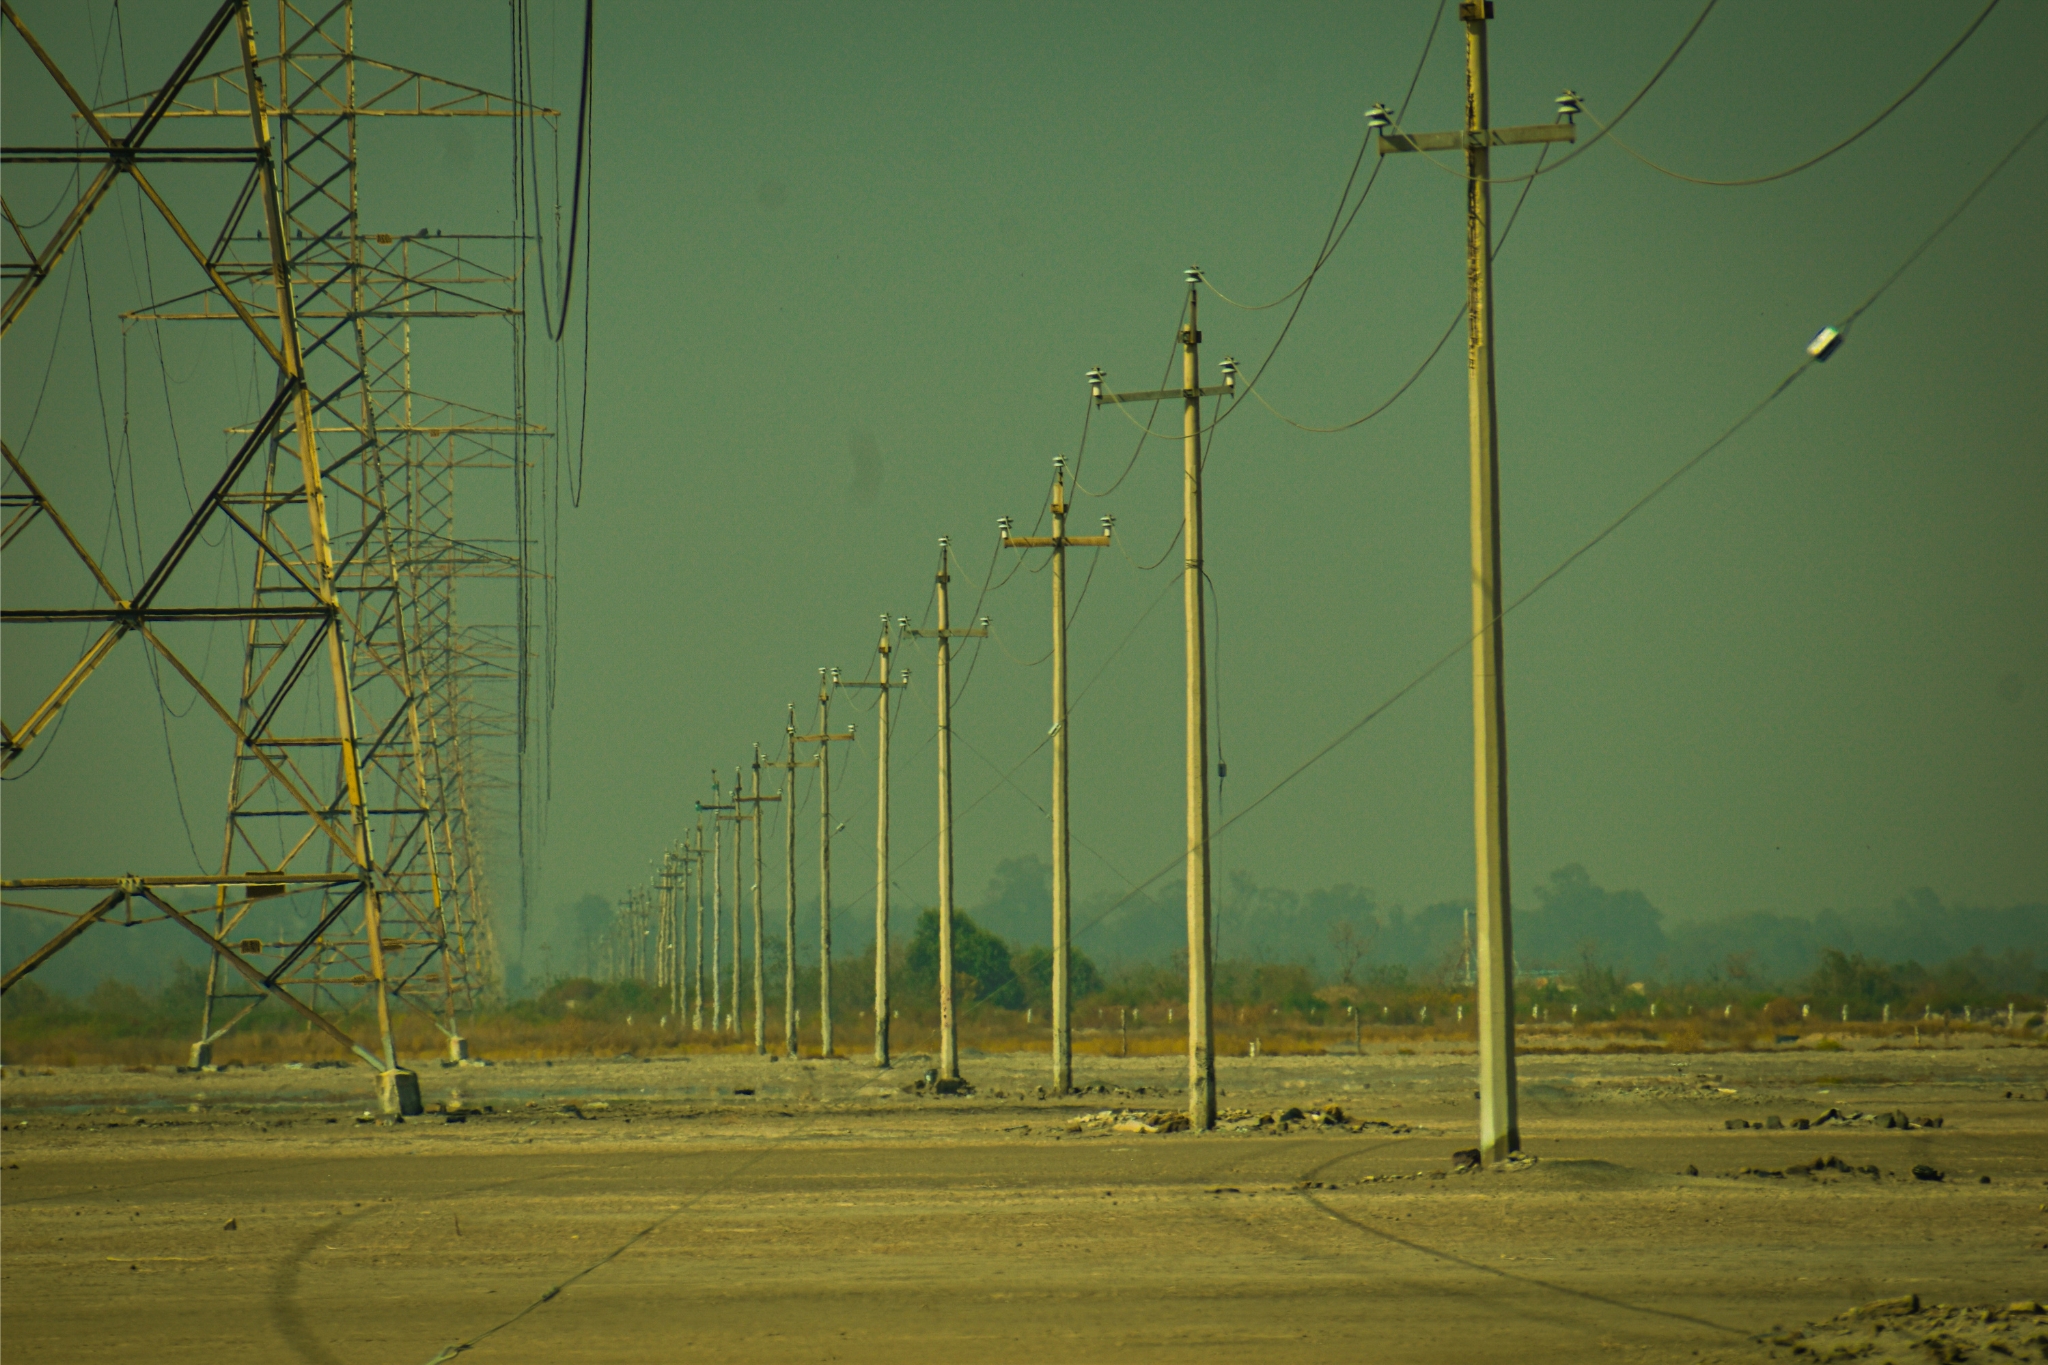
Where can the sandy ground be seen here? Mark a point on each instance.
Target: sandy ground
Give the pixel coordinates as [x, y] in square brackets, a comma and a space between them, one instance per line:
[627, 1210]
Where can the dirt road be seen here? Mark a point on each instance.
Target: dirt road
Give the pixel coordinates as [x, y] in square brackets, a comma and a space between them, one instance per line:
[624, 1211]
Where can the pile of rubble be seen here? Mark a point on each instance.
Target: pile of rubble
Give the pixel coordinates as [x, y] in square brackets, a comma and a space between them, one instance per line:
[1321, 1118]
[1325, 1117]
[1129, 1121]
[1895, 1119]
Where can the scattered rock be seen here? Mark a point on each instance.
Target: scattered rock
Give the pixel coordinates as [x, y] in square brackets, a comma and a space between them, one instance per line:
[228, 1226]
[1903, 1328]
[1926, 1173]
[951, 1085]
[1465, 1160]
[1774, 1122]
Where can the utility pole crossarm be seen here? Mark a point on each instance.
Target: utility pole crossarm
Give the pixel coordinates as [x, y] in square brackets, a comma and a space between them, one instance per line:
[1161, 395]
[978, 633]
[1461, 140]
[1050, 542]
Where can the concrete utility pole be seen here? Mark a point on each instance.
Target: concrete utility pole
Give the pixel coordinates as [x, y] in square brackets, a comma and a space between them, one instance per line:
[949, 1033]
[1062, 862]
[1201, 1023]
[789, 766]
[881, 839]
[1499, 1126]
[738, 875]
[823, 739]
[760, 985]
[717, 897]
[669, 943]
[697, 940]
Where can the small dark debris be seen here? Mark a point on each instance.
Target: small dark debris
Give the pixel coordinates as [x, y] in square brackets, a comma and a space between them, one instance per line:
[1926, 1173]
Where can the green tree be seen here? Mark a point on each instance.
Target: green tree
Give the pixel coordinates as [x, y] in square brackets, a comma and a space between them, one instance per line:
[1033, 967]
[1850, 979]
[981, 963]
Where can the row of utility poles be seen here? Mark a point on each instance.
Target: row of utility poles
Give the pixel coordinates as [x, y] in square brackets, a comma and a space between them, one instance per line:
[1499, 1129]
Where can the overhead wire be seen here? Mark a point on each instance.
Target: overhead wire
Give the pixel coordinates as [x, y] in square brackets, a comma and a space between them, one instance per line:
[1332, 236]
[1301, 294]
[1434, 351]
[1148, 568]
[1821, 156]
[1684, 468]
[1143, 428]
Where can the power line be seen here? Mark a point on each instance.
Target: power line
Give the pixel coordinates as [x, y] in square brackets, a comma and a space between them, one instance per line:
[1818, 157]
[1434, 351]
[1656, 490]
[1144, 429]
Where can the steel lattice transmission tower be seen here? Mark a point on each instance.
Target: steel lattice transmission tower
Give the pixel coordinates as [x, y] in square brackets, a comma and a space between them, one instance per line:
[352, 857]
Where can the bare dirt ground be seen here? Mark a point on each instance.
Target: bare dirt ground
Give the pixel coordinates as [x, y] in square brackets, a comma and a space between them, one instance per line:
[627, 1210]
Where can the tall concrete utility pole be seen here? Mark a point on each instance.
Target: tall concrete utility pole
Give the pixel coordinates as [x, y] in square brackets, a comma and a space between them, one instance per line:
[789, 766]
[881, 838]
[1201, 1023]
[697, 940]
[717, 896]
[1499, 1126]
[823, 739]
[738, 875]
[760, 985]
[1062, 862]
[949, 1033]
[680, 967]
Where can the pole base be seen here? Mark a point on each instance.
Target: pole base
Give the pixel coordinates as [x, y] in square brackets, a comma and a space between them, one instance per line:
[458, 1049]
[399, 1092]
[202, 1055]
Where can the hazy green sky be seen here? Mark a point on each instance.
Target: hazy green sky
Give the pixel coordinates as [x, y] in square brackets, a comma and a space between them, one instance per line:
[851, 262]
